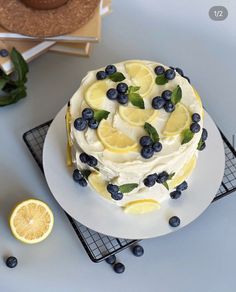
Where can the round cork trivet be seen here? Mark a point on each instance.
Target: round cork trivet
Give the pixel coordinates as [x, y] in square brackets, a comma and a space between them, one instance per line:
[18, 18]
[44, 4]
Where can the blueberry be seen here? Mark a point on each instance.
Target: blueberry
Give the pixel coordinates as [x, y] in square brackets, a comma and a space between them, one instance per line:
[122, 87]
[175, 194]
[145, 141]
[195, 128]
[170, 74]
[112, 93]
[180, 71]
[182, 187]
[138, 250]
[157, 146]
[77, 175]
[87, 113]
[82, 182]
[122, 98]
[166, 94]
[93, 124]
[196, 118]
[80, 124]
[112, 189]
[158, 102]
[84, 157]
[150, 180]
[110, 69]
[4, 53]
[147, 152]
[204, 134]
[169, 107]
[117, 196]
[159, 70]
[187, 79]
[101, 75]
[174, 221]
[11, 262]
[203, 146]
[119, 268]
[111, 259]
[92, 161]
[162, 177]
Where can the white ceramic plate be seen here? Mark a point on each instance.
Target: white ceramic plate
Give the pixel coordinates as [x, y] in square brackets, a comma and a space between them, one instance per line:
[88, 208]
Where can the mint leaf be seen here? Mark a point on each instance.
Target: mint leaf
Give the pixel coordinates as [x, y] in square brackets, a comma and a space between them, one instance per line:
[132, 89]
[20, 66]
[199, 144]
[3, 82]
[13, 96]
[152, 132]
[136, 100]
[176, 95]
[187, 136]
[127, 188]
[86, 173]
[100, 115]
[161, 79]
[117, 77]
[165, 184]
[171, 175]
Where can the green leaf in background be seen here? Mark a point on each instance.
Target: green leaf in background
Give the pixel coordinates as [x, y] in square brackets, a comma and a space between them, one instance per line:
[20, 66]
[165, 184]
[161, 79]
[127, 188]
[3, 82]
[176, 95]
[187, 136]
[117, 77]
[86, 173]
[136, 100]
[152, 132]
[199, 144]
[13, 96]
[100, 115]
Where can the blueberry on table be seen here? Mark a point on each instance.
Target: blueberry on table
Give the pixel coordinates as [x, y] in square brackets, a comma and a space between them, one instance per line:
[112, 93]
[159, 70]
[11, 262]
[93, 124]
[162, 177]
[110, 69]
[84, 157]
[80, 124]
[170, 74]
[174, 221]
[157, 147]
[77, 175]
[169, 107]
[122, 87]
[122, 98]
[112, 189]
[87, 113]
[166, 94]
[196, 117]
[180, 71]
[92, 161]
[145, 141]
[138, 250]
[4, 53]
[195, 127]
[182, 187]
[101, 75]
[204, 134]
[202, 147]
[111, 259]
[149, 181]
[119, 268]
[117, 196]
[147, 152]
[175, 195]
[158, 102]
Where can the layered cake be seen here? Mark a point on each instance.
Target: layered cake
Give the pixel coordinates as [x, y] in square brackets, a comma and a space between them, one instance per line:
[134, 131]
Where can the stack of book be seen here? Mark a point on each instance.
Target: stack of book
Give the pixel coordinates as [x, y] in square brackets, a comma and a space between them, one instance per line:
[77, 43]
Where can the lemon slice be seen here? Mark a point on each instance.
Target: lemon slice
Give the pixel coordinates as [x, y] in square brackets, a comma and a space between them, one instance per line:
[99, 185]
[141, 76]
[115, 140]
[178, 121]
[136, 116]
[199, 101]
[31, 221]
[183, 174]
[96, 94]
[141, 206]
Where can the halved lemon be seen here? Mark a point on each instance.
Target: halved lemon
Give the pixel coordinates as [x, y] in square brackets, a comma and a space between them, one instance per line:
[136, 116]
[199, 101]
[183, 174]
[141, 206]
[31, 221]
[115, 140]
[99, 185]
[96, 94]
[178, 121]
[141, 76]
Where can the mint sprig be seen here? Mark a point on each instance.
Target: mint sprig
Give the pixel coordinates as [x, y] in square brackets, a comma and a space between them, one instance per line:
[117, 77]
[134, 97]
[86, 173]
[187, 136]
[176, 95]
[127, 188]
[200, 143]
[165, 184]
[161, 79]
[152, 132]
[100, 115]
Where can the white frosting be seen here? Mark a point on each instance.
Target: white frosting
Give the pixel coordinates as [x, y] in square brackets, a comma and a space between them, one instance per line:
[131, 167]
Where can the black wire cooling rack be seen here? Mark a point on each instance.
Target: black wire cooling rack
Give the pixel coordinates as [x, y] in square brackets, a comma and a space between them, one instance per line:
[99, 246]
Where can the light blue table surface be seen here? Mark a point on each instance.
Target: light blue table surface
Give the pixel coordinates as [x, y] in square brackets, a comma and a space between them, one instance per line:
[200, 257]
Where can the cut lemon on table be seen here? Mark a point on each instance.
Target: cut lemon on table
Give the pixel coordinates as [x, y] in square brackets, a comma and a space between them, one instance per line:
[136, 116]
[99, 185]
[178, 121]
[141, 76]
[31, 221]
[141, 206]
[183, 174]
[115, 140]
[96, 94]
